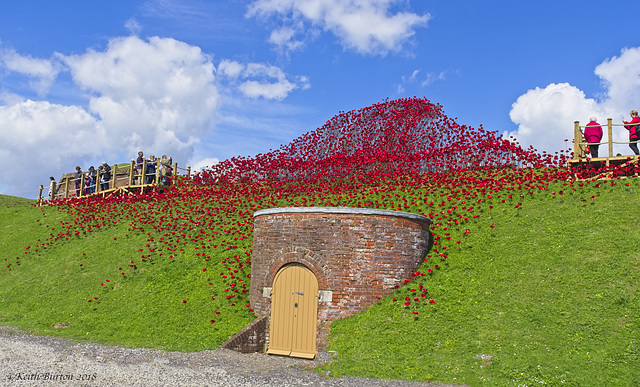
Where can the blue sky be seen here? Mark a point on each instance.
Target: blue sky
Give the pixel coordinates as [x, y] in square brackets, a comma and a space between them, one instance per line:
[83, 82]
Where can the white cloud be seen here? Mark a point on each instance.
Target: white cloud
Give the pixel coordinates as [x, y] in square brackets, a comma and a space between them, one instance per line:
[133, 26]
[432, 77]
[278, 90]
[412, 79]
[621, 77]
[157, 95]
[44, 71]
[365, 26]
[7, 98]
[40, 137]
[204, 163]
[255, 80]
[231, 69]
[545, 116]
[284, 37]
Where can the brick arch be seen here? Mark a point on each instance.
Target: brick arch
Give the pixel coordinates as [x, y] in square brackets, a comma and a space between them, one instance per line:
[315, 263]
[358, 255]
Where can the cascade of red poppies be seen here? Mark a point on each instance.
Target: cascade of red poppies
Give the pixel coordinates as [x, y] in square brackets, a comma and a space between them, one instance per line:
[403, 136]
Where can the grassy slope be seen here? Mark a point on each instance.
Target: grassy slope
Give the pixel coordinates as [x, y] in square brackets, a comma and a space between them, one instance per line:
[49, 293]
[550, 293]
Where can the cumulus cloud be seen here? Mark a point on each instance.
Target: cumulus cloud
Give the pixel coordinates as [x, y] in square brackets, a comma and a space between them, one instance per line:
[42, 72]
[204, 163]
[255, 80]
[365, 26]
[621, 77]
[39, 137]
[284, 37]
[545, 116]
[158, 95]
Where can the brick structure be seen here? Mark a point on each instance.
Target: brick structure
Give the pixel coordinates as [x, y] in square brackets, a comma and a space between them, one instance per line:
[356, 254]
[250, 339]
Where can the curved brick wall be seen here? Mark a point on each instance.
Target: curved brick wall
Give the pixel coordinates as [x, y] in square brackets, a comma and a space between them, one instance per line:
[357, 254]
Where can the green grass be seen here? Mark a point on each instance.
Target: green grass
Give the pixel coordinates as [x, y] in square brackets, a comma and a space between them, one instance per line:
[48, 291]
[549, 295]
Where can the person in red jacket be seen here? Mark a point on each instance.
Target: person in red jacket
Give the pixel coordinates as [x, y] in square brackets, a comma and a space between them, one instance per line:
[634, 130]
[593, 135]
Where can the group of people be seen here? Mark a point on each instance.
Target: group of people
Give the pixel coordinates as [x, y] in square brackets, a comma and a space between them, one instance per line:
[91, 177]
[148, 175]
[593, 133]
[103, 175]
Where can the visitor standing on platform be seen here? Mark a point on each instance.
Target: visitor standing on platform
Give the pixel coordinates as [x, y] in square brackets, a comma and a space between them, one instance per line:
[167, 169]
[633, 130]
[139, 164]
[78, 179]
[105, 176]
[593, 135]
[151, 170]
[92, 179]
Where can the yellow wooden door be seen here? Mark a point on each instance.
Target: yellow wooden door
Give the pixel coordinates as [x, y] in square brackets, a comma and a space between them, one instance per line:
[294, 313]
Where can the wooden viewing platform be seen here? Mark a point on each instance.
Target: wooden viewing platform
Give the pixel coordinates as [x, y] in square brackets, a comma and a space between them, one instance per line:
[123, 179]
[580, 160]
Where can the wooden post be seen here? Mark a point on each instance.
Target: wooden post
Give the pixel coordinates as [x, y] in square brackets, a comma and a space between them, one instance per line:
[188, 171]
[131, 171]
[577, 136]
[66, 188]
[610, 134]
[143, 173]
[157, 180]
[114, 172]
[175, 168]
[40, 193]
[82, 184]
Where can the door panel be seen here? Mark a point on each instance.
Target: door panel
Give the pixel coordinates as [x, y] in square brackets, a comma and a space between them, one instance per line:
[294, 310]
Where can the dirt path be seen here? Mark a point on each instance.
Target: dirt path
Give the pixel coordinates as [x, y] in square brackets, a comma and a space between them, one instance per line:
[27, 360]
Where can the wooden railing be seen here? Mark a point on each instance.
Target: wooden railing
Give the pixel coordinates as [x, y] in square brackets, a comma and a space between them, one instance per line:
[123, 177]
[580, 144]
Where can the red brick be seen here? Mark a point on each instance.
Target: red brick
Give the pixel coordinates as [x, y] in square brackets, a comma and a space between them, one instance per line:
[356, 256]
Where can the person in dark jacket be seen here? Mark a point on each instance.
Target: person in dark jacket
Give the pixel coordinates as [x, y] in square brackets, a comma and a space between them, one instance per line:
[78, 180]
[139, 165]
[91, 175]
[151, 169]
[105, 176]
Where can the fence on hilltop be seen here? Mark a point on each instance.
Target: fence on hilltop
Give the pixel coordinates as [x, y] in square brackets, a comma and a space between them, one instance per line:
[581, 161]
[123, 179]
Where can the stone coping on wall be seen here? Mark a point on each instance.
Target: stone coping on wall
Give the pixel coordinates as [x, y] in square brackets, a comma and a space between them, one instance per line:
[342, 210]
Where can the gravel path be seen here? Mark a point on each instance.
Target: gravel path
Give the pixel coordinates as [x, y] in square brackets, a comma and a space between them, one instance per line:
[27, 360]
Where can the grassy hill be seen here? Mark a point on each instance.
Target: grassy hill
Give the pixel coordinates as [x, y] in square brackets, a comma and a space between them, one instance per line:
[545, 293]
[536, 279]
